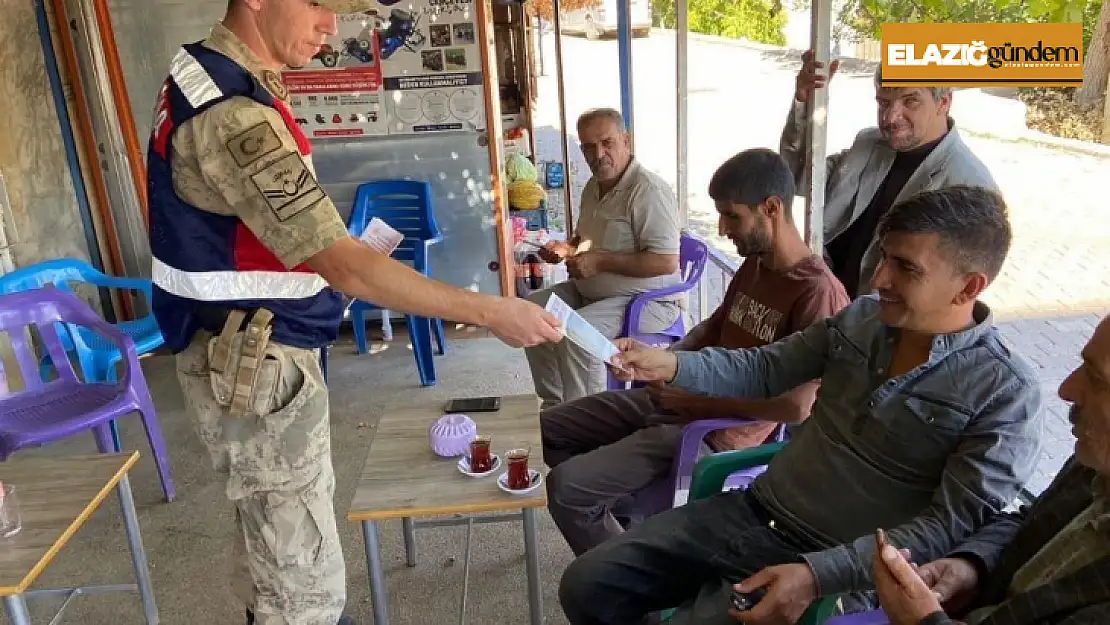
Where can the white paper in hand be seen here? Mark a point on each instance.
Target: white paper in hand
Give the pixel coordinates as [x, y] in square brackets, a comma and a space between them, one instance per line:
[380, 237]
[581, 332]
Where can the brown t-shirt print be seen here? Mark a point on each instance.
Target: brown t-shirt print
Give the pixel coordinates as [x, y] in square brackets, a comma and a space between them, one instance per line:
[762, 306]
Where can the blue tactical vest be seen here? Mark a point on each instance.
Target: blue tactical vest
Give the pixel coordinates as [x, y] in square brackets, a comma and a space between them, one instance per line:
[205, 264]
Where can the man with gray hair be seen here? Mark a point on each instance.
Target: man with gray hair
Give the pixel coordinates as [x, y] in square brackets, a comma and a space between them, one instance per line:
[915, 147]
[626, 242]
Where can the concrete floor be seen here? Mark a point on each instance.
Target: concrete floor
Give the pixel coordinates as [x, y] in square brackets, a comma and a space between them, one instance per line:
[188, 540]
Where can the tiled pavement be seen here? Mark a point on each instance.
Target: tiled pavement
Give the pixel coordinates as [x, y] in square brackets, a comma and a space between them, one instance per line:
[1055, 286]
[1052, 344]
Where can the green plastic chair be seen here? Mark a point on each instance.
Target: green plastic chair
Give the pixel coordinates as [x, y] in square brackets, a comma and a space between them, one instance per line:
[709, 479]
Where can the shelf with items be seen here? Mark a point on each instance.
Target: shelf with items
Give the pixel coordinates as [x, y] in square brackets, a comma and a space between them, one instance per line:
[532, 273]
[535, 219]
[515, 75]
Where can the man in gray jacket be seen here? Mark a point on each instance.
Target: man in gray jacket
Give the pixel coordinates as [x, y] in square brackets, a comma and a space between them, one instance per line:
[915, 147]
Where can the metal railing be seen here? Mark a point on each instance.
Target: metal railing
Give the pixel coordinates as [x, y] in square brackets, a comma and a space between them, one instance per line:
[710, 291]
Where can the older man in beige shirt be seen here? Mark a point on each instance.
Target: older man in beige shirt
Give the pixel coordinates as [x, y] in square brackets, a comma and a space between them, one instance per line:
[626, 243]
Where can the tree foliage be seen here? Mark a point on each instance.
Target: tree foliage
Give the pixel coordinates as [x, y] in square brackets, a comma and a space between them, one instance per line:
[756, 20]
[543, 8]
[863, 19]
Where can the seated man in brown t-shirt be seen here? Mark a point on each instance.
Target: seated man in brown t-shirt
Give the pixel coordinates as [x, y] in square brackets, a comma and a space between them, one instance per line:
[607, 446]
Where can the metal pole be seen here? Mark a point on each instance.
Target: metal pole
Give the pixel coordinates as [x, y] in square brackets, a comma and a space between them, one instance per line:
[532, 557]
[817, 113]
[53, 74]
[539, 42]
[624, 63]
[132, 149]
[568, 209]
[125, 203]
[466, 571]
[374, 571]
[16, 608]
[138, 554]
[408, 526]
[681, 89]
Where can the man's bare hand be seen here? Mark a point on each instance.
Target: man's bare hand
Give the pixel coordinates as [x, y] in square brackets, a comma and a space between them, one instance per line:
[790, 589]
[555, 252]
[953, 580]
[903, 594]
[668, 397]
[810, 77]
[520, 323]
[677, 401]
[639, 362]
[584, 265]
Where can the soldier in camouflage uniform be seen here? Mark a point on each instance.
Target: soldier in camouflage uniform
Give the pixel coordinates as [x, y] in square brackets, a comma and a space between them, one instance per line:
[250, 258]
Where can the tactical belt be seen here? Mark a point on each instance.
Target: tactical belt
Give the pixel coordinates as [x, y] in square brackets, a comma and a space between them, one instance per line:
[213, 318]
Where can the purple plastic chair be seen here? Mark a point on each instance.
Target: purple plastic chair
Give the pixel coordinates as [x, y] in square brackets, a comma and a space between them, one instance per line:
[693, 254]
[672, 491]
[47, 411]
[874, 617]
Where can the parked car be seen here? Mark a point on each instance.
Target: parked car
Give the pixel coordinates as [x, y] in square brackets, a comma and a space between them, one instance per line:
[601, 19]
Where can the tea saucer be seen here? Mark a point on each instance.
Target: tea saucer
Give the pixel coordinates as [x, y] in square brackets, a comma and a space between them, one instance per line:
[464, 466]
[535, 479]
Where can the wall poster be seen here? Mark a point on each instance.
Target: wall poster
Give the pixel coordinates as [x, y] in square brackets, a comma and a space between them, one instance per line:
[432, 68]
[338, 94]
[404, 67]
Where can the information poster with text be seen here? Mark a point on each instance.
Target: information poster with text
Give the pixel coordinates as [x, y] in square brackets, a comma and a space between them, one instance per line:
[431, 68]
[339, 93]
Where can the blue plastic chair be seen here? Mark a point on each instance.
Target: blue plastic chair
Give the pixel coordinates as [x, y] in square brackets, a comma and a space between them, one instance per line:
[406, 205]
[97, 356]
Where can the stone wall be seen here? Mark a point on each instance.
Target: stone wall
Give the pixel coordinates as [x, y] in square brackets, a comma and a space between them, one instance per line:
[44, 221]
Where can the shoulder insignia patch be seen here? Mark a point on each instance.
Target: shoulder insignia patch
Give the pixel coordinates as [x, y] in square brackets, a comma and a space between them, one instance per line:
[258, 141]
[273, 82]
[288, 187]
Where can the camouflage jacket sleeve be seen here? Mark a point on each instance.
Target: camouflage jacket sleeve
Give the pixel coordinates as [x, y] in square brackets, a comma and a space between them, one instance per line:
[238, 158]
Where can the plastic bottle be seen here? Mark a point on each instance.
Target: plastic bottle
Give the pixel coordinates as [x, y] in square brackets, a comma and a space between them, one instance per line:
[535, 271]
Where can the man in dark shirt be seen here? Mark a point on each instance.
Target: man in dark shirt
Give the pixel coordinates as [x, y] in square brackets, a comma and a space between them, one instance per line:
[846, 251]
[915, 147]
[1046, 563]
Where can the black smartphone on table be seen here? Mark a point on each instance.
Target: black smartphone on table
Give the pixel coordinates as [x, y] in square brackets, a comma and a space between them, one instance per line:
[474, 404]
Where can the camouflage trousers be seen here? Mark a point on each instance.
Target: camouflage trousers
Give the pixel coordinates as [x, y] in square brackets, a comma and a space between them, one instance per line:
[287, 561]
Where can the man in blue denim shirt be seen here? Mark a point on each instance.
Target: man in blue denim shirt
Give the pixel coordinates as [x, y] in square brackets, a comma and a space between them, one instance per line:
[925, 423]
